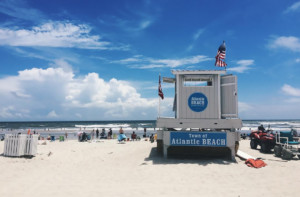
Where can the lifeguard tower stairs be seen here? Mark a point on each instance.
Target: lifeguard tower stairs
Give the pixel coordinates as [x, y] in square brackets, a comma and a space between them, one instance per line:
[206, 114]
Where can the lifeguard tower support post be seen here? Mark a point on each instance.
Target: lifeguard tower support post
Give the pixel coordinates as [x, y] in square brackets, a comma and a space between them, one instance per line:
[206, 113]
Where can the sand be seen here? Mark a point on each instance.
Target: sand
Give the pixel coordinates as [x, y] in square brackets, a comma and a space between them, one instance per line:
[107, 168]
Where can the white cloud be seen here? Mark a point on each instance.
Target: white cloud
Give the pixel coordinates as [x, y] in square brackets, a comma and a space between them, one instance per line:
[291, 91]
[244, 107]
[149, 66]
[133, 22]
[41, 94]
[144, 24]
[297, 60]
[190, 47]
[52, 114]
[20, 94]
[166, 107]
[172, 63]
[288, 42]
[61, 63]
[148, 63]
[78, 115]
[163, 85]
[135, 58]
[195, 37]
[10, 111]
[244, 65]
[273, 107]
[198, 34]
[54, 34]
[293, 8]
[245, 62]
[282, 106]
[293, 100]
[271, 110]
[19, 9]
[5, 112]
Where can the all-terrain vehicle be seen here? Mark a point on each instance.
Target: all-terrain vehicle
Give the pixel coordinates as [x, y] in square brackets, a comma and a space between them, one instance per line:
[264, 138]
[287, 146]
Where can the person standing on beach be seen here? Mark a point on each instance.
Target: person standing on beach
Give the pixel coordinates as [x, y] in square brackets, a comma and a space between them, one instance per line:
[66, 134]
[121, 131]
[93, 134]
[261, 128]
[110, 134]
[97, 133]
[145, 133]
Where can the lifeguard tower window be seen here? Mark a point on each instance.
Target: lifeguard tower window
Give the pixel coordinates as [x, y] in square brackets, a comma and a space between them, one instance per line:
[192, 81]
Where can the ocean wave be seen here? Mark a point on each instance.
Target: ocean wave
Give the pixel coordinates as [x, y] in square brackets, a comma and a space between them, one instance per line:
[103, 126]
[129, 126]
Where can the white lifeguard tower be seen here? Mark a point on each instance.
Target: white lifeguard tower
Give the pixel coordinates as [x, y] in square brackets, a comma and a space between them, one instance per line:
[206, 113]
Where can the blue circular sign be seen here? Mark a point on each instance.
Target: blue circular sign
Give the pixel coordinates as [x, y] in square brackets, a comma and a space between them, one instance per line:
[197, 102]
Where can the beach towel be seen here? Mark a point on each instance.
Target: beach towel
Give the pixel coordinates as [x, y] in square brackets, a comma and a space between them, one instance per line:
[121, 137]
[255, 163]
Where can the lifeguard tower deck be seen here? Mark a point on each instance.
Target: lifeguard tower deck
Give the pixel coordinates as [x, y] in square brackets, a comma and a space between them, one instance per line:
[206, 113]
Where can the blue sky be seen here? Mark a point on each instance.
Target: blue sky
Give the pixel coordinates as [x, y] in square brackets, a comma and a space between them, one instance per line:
[100, 60]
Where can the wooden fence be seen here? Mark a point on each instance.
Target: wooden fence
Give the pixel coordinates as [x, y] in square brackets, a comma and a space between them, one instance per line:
[16, 145]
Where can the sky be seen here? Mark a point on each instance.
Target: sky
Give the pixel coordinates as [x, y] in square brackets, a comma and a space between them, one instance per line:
[101, 60]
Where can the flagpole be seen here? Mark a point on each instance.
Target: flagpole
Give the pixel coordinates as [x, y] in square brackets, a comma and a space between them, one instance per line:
[159, 102]
[158, 106]
[224, 60]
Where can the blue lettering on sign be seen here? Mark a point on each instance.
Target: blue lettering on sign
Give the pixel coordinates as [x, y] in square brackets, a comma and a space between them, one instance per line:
[216, 139]
[197, 102]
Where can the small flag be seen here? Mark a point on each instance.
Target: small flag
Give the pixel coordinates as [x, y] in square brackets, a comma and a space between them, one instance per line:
[160, 93]
[221, 56]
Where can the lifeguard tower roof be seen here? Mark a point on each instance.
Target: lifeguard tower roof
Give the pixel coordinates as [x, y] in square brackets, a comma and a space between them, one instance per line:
[198, 72]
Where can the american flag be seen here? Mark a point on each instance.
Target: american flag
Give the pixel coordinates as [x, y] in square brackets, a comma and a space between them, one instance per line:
[160, 93]
[221, 56]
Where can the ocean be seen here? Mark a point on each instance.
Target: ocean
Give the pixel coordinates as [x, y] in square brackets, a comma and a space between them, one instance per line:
[58, 128]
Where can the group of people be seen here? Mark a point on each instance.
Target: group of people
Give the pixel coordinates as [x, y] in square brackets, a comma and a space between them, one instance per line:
[134, 136]
[102, 135]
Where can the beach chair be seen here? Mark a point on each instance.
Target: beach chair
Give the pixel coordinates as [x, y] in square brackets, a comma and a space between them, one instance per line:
[61, 138]
[287, 146]
[52, 138]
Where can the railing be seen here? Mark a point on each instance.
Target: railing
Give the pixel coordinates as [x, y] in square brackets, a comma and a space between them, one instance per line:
[16, 145]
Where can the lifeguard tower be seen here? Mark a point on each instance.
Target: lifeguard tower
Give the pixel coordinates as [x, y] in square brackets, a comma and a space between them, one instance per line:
[206, 113]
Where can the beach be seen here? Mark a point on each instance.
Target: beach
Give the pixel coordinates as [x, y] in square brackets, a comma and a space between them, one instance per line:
[107, 168]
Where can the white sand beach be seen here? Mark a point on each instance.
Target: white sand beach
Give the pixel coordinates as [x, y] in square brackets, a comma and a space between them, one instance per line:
[107, 168]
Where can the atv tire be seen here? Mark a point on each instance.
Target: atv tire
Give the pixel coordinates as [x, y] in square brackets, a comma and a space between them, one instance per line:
[277, 151]
[253, 144]
[265, 148]
[287, 154]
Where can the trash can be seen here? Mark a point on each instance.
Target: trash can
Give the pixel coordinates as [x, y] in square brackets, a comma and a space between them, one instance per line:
[52, 138]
